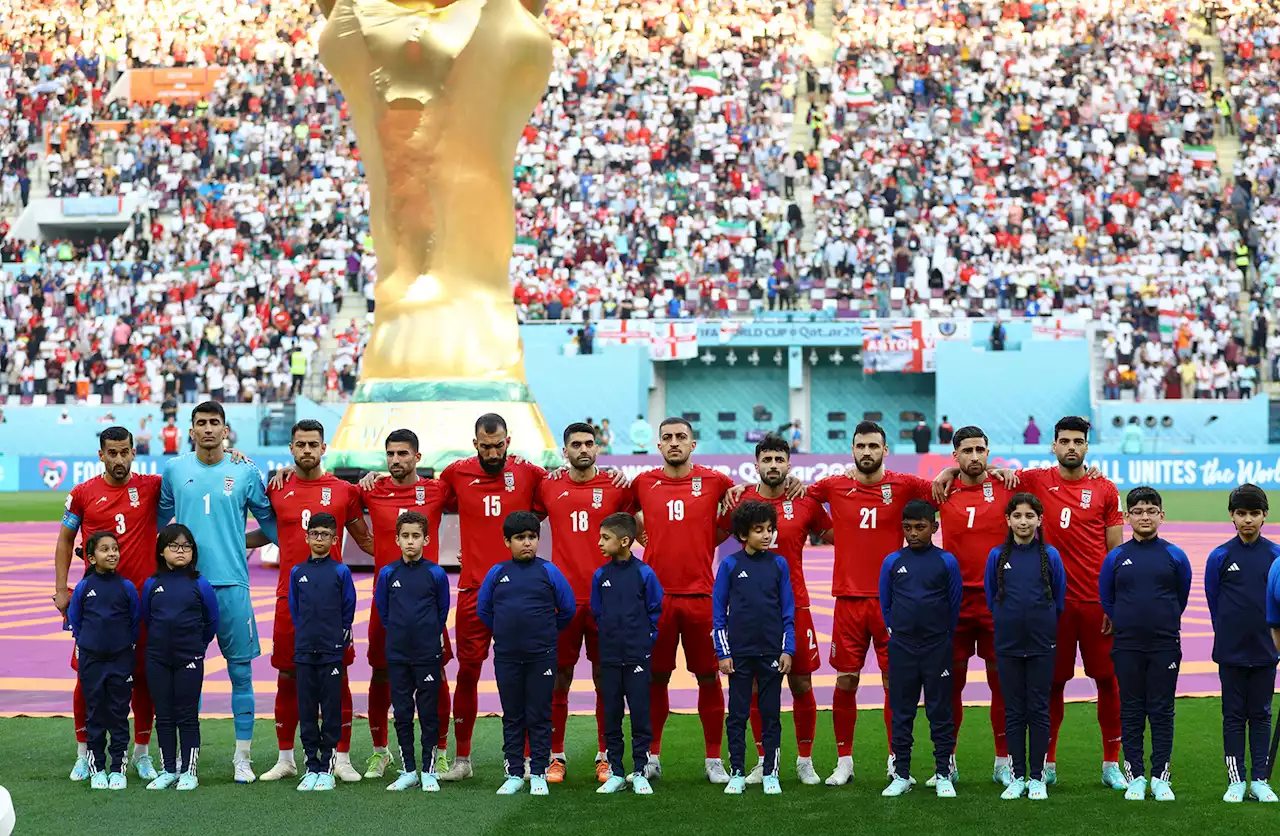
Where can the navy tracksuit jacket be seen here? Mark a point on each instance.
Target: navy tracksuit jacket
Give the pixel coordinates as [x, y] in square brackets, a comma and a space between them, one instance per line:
[104, 615]
[526, 603]
[180, 610]
[626, 603]
[322, 603]
[1235, 587]
[920, 594]
[1144, 586]
[412, 598]
[1025, 611]
[753, 616]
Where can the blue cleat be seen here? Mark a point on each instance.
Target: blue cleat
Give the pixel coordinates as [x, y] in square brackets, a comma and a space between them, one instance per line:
[1261, 791]
[80, 772]
[538, 785]
[615, 783]
[163, 781]
[511, 786]
[1036, 790]
[98, 781]
[898, 786]
[430, 782]
[737, 784]
[1114, 778]
[1235, 792]
[187, 781]
[1160, 790]
[1002, 775]
[772, 786]
[144, 767]
[640, 784]
[944, 787]
[1014, 790]
[308, 782]
[1050, 773]
[117, 781]
[1137, 790]
[324, 782]
[406, 781]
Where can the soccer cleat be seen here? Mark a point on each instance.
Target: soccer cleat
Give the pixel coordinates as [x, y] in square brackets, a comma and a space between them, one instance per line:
[555, 772]
[243, 769]
[1235, 792]
[430, 783]
[1036, 790]
[282, 769]
[442, 762]
[1261, 791]
[511, 786]
[406, 781]
[843, 773]
[772, 786]
[163, 781]
[460, 771]
[944, 787]
[1137, 790]
[324, 782]
[603, 771]
[1050, 773]
[1161, 791]
[806, 773]
[98, 781]
[614, 784]
[188, 781]
[1113, 777]
[308, 782]
[1014, 790]
[375, 767]
[144, 767]
[756, 775]
[538, 785]
[640, 784]
[716, 773]
[653, 769]
[80, 771]
[1001, 774]
[344, 771]
[117, 781]
[898, 786]
[955, 774]
[736, 785]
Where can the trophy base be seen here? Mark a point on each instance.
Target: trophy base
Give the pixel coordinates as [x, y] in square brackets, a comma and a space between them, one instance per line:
[443, 414]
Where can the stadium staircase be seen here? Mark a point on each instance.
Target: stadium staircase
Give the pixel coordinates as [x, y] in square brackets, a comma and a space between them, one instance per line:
[353, 307]
[820, 49]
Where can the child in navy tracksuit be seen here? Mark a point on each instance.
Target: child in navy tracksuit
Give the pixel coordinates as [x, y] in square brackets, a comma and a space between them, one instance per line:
[104, 618]
[526, 602]
[753, 618]
[920, 594]
[1143, 588]
[412, 597]
[1235, 586]
[626, 602]
[322, 603]
[180, 610]
[1026, 588]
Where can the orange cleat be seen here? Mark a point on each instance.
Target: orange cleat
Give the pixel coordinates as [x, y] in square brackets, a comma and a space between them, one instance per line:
[555, 772]
[603, 771]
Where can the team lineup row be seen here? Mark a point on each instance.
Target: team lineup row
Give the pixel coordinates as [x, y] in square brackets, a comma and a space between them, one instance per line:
[682, 510]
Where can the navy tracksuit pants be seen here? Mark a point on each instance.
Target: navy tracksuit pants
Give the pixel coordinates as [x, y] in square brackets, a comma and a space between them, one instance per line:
[1026, 682]
[525, 687]
[624, 687]
[911, 670]
[175, 691]
[416, 687]
[1246, 701]
[1148, 681]
[319, 712]
[107, 685]
[763, 673]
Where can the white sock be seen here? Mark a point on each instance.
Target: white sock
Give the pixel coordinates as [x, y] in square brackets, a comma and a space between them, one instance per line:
[286, 756]
[141, 750]
[558, 756]
[242, 749]
[600, 756]
[711, 761]
[462, 759]
[1051, 765]
[82, 750]
[379, 750]
[761, 761]
[1005, 761]
[1105, 764]
[653, 758]
[800, 760]
[342, 757]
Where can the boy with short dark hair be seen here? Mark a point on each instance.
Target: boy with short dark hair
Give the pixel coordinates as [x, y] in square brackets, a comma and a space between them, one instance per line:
[319, 590]
[525, 602]
[626, 603]
[753, 613]
[921, 589]
[1235, 587]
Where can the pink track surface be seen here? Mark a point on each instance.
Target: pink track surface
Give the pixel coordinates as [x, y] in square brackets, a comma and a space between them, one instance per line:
[36, 677]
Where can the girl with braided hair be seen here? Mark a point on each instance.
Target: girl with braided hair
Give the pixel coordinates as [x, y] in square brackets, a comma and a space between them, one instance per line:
[1025, 586]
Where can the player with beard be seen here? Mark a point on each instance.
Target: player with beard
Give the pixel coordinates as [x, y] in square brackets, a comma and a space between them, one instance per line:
[866, 508]
[575, 507]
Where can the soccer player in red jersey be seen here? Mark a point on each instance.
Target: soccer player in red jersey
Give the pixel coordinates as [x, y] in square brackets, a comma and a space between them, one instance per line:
[124, 503]
[575, 507]
[798, 519]
[866, 507]
[679, 504]
[974, 523]
[311, 491]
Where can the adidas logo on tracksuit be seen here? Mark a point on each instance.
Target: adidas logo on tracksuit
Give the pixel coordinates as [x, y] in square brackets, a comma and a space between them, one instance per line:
[606, 584]
[742, 574]
[395, 585]
[1234, 567]
[1127, 562]
[504, 579]
[902, 570]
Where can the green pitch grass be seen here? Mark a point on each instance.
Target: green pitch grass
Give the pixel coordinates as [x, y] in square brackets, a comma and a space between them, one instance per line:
[32, 506]
[37, 755]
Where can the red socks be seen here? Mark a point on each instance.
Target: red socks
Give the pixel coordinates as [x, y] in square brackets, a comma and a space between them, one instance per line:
[286, 711]
[144, 712]
[443, 706]
[961, 676]
[559, 717]
[711, 712]
[997, 712]
[844, 718]
[804, 711]
[888, 719]
[344, 737]
[1057, 705]
[466, 702]
[79, 713]
[1109, 718]
[379, 711]
[599, 722]
[659, 708]
[757, 725]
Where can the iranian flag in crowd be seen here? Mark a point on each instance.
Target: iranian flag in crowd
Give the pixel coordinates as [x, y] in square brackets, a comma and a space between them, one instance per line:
[704, 82]
[1168, 323]
[861, 98]
[525, 246]
[733, 230]
[1204, 156]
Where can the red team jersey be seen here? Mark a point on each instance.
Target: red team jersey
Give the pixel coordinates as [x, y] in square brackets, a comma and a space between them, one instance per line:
[680, 520]
[484, 501]
[128, 511]
[797, 519]
[868, 526]
[575, 511]
[1076, 518]
[973, 523]
[296, 503]
[386, 501]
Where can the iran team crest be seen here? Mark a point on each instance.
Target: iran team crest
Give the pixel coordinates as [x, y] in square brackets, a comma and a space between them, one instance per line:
[509, 480]
[228, 485]
[1086, 496]
[886, 492]
[697, 486]
[419, 494]
[788, 510]
[988, 492]
[134, 501]
[597, 498]
[326, 496]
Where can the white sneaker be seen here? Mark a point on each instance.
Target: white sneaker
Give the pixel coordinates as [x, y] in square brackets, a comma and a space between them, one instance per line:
[756, 775]
[282, 770]
[843, 773]
[344, 771]
[653, 769]
[806, 773]
[243, 768]
[716, 773]
[460, 771]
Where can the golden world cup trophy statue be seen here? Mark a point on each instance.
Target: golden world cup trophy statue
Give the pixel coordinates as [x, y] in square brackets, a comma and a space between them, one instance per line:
[439, 92]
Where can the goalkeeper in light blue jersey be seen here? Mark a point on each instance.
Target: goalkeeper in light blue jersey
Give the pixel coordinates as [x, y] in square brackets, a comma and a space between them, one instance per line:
[212, 496]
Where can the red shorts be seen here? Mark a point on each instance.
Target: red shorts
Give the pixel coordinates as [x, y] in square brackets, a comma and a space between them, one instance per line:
[377, 654]
[282, 639]
[975, 634]
[858, 624]
[1081, 624]
[807, 659]
[474, 637]
[582, 630]
[686, 620]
